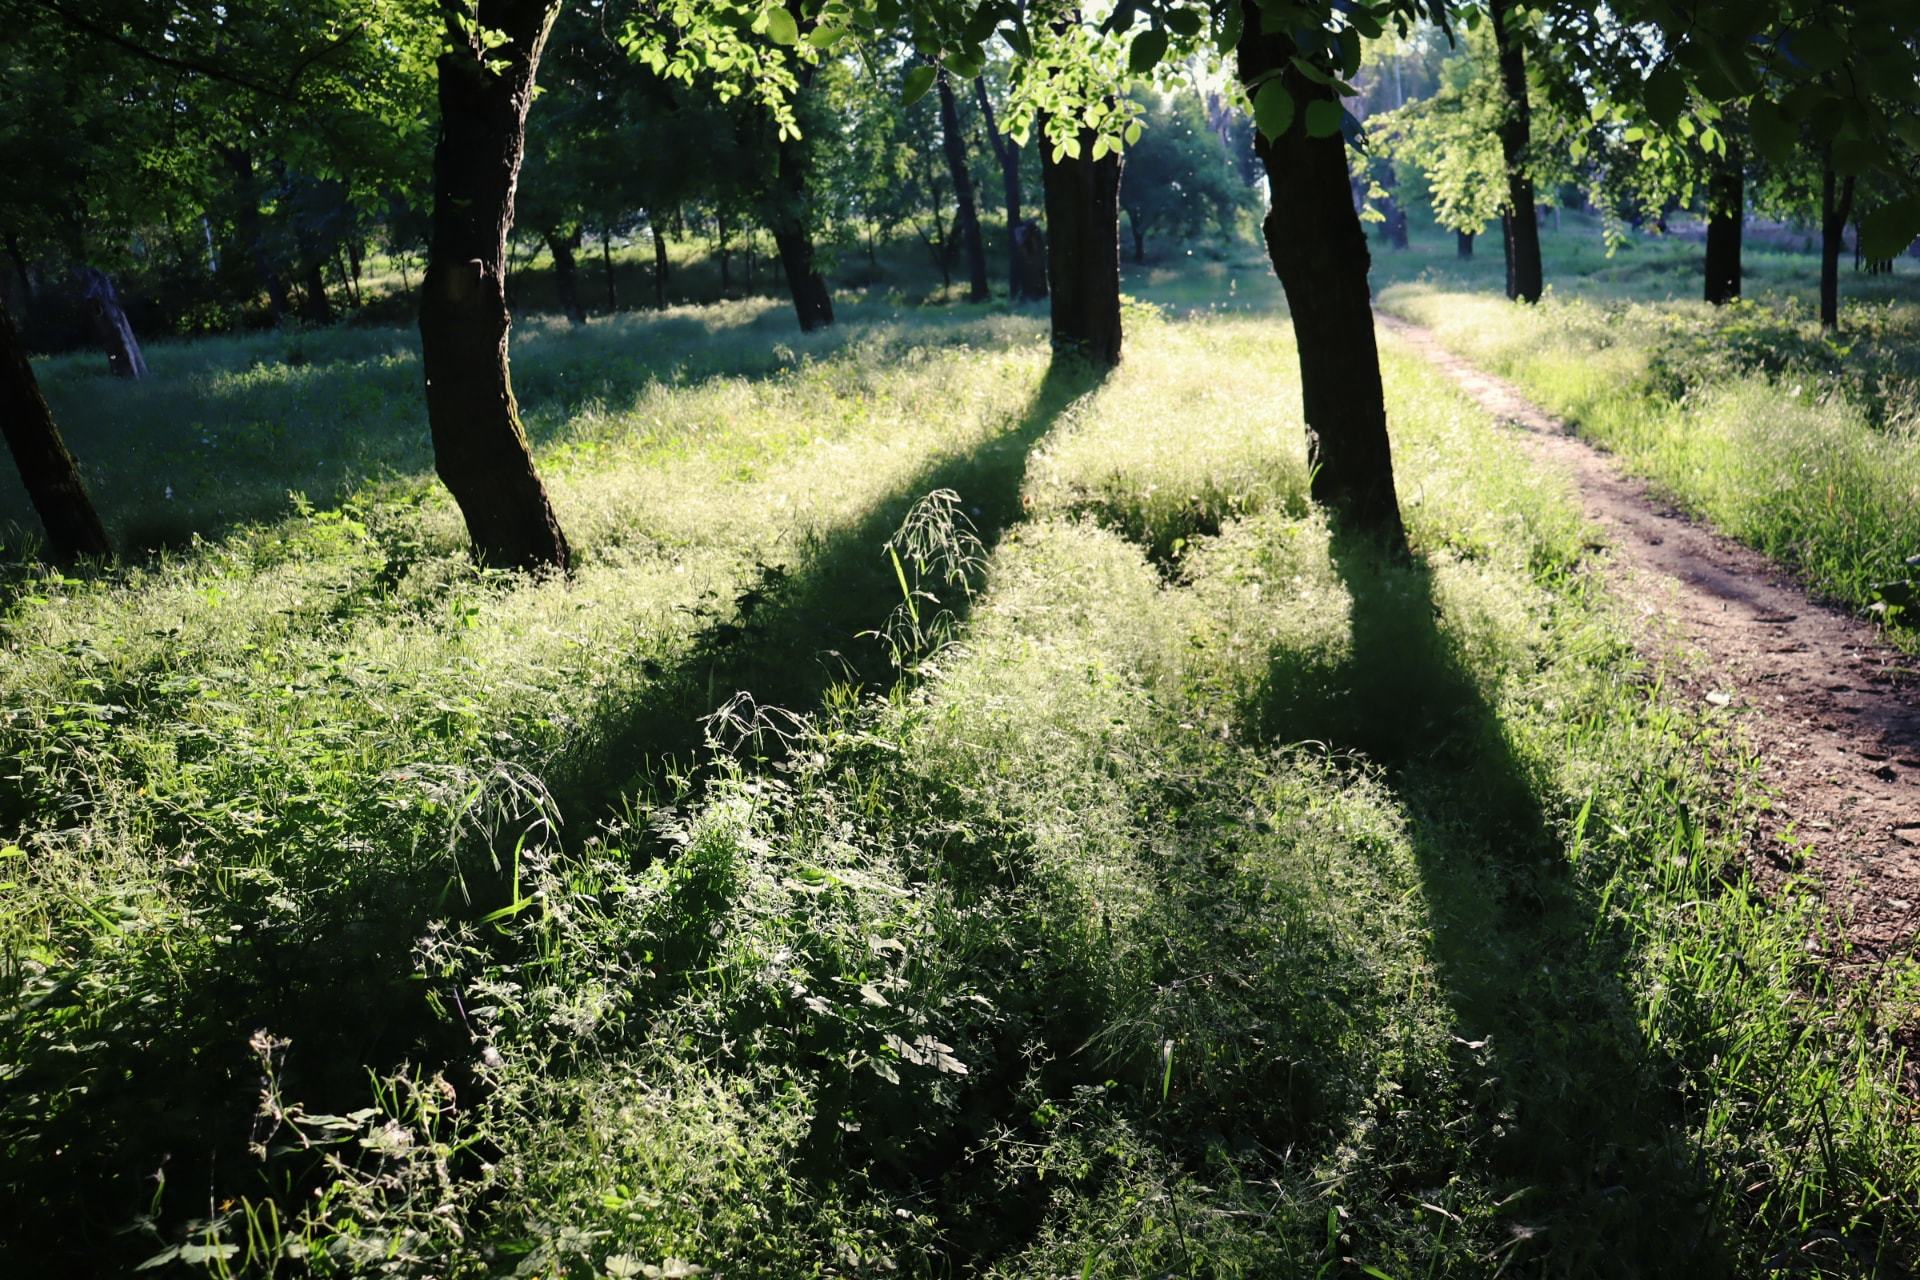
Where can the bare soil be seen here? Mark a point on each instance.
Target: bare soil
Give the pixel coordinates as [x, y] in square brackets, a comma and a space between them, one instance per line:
[1830, 709]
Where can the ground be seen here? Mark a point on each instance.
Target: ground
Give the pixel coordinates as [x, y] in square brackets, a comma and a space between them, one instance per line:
[1111, 871]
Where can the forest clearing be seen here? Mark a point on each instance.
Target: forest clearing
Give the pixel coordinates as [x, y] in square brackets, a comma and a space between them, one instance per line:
[894, 737]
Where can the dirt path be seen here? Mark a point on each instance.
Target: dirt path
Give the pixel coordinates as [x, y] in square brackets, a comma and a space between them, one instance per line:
[1833, 712]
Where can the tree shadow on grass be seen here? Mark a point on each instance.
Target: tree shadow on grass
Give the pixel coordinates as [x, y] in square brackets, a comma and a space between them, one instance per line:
[168, 1087]
[1579, 1132]
[204, 448]
[792, 635]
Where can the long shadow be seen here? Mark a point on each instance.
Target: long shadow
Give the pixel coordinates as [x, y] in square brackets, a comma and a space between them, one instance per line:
[167, 1088]
[795, 633]
[1579, 1128]
[321, 413]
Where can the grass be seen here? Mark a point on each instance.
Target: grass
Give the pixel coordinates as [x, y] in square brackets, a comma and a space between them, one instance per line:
[1800, 445]
[1161, 884]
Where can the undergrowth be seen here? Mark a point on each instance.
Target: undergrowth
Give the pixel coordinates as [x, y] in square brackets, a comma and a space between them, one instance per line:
[1110, 870]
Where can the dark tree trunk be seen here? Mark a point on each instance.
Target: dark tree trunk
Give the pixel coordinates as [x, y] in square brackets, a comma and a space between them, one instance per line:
[1463, 244]
[659, 265]
[1393, 223]
[1022, 283]
[606, 269]
[1083, 250]
[726, 265]
[954, 143]
[1835, 209]
[1506, 248]
[1524, 277]
[110, 325]
[46, 468]
[319, 308]
[1319, 251]
[253, 232]
[1726, 214]
[356, 256]
[790, 213]
[19, 260]
[1139, 237]
[1029, 261]
[480, 447]
[566, 272]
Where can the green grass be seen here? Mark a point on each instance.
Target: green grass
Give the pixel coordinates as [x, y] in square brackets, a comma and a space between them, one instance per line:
[1802, 446]
[1171, 887]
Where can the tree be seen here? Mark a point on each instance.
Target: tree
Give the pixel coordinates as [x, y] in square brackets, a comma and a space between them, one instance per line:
[1515, 131]
[1450, 138]
[1180, 180]
[486, 77]
[47, 470]
[1025, 283]
[954, 145]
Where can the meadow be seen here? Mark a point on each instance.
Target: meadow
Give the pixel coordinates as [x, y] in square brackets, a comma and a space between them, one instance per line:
[965, 815]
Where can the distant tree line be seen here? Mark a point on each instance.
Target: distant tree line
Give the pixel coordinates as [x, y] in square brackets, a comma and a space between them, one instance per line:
[260, 156]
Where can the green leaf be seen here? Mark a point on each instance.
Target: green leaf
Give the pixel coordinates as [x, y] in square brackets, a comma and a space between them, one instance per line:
[1665, 94]
[1816, 49]
[1773, 134]
[1273, 108]
[1148, 48]
[1230, 27]
[1184, 22]
[826, 37]
[918, 81]
[1888, 230]
[781, 28]
[1323, 118]
[1853, 156]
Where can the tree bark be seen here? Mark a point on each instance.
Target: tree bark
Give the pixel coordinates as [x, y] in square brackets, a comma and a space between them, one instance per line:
[1139, 237]
[1020, 282]
[1524, 277]
[812, 304]
[566, 272]
[479, 444]
[252, 229]
[46, 468]
[19, 260]
[659, 264]
[1029, 261]
[1834, 212]
[1726, 214]
[1319, 251]
[955, 145]
[110, 325]
[319, 308]
[1463, 244]
[606, 269]
[1083, 250]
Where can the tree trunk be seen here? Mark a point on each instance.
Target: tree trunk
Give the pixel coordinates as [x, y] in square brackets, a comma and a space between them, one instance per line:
[19, 260]
[566, 273]
[1319, 251]
[791, 208]
[47, 470]
[479, 445]
[1726, 212]
[1139, 238]
[659, 264]
[955, 145]
[1029, 261]
[319, 308]
[110, 325]
[1524, 278]
[1463, 244]
[252, 229]
[726, 265]
[1020, 281]
[1083, 250]
[1834, 213]
[606, 269]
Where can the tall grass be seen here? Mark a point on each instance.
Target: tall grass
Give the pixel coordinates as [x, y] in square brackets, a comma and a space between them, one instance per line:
[1204, 896]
